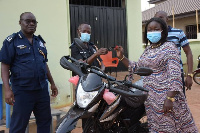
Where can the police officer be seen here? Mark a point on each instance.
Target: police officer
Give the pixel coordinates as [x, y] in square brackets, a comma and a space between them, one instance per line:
[24, 58]
[89, 52]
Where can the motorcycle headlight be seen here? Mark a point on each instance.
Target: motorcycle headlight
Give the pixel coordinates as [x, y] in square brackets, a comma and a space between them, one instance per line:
[84, 98]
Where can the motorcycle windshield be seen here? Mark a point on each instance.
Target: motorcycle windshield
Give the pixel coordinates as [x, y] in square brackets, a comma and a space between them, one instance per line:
[91, 82]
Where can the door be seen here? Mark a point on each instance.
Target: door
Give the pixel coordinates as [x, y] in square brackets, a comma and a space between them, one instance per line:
[108, 26]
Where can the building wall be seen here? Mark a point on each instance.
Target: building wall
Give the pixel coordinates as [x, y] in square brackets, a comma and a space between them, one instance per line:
[195, 47]
[183, 22]
[134, 29]
[53, 26]
[194, 43]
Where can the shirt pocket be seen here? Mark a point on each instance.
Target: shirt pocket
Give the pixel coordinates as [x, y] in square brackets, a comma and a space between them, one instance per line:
[24, 54]
[23, 78]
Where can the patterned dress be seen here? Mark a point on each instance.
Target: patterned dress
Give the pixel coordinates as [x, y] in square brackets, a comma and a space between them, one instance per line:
[166, 76]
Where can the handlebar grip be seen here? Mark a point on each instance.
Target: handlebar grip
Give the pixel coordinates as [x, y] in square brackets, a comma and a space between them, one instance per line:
[122, 92]
[103, 75]
[70, 66]
[139, 87]
[129, 84]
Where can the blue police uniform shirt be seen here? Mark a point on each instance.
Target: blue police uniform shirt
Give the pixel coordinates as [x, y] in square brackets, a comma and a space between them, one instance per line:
[27, 61]
[84, 54]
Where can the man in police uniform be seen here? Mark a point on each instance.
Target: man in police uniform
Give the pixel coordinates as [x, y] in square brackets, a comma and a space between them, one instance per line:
[89, 52]
[23, 60]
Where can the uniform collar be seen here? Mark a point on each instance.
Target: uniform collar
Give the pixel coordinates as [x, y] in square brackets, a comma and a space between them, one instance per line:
[89, 44]
[21, 35]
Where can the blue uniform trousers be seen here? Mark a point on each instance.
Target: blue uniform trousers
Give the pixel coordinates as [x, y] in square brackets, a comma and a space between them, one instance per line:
[27, 101]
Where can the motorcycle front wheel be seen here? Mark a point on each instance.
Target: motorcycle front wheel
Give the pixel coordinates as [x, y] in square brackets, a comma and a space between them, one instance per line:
[91, 126]
[196, 78]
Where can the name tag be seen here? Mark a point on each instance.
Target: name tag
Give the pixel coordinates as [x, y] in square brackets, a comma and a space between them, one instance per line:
[21, 46]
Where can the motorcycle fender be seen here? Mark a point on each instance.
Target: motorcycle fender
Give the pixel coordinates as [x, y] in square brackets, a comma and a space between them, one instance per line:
[197, 71]
[69, 121]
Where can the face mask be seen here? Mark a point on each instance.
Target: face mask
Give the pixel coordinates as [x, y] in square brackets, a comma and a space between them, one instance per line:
[85, 37]
[154, 36]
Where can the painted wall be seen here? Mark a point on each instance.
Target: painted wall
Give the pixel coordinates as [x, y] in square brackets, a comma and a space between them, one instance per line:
[194, 43]
[134, 29]
[195, 47]
[183, 22]
[53, 25]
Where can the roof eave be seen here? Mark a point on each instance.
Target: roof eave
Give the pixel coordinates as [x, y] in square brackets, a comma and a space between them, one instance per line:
[178, 16]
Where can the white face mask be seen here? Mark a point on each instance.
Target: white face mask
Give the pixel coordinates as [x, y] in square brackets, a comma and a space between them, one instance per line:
[85, 37]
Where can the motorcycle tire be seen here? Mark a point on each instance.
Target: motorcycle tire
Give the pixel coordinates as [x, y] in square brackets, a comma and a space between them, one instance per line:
[196, 78]
[91, 126]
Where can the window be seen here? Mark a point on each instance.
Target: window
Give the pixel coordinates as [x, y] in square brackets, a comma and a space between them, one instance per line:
[191, 31]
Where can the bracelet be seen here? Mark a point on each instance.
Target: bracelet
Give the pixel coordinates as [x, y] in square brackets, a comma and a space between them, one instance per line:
[190, 74]
[122, 58]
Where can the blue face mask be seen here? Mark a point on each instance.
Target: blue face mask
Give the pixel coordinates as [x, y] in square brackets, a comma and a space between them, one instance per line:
[85, 37]
[154, 36]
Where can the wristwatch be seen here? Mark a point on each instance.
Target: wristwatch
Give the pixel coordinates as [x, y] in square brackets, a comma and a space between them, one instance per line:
[171, 99]
[190, 74]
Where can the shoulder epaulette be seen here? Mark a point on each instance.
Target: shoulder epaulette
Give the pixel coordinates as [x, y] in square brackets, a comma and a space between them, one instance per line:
[11, 37]
[40, 37]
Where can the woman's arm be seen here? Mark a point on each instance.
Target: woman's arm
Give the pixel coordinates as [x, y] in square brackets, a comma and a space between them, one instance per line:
[120, 55]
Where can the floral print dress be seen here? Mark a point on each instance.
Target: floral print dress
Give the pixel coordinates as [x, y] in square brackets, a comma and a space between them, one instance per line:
[166, 76]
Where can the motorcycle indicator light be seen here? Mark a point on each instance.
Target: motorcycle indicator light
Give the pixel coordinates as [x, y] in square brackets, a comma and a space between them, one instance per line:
[84, 98]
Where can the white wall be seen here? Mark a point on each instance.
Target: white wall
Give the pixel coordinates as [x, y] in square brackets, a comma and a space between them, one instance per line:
[53, 26]
[134, 29]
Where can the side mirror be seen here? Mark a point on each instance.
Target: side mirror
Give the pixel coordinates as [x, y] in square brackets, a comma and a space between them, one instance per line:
[144, 71]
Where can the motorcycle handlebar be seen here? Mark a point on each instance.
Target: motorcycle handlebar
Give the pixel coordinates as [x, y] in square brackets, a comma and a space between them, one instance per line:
[103, 75]
[122, 92]
[127, 83]
[70, 66]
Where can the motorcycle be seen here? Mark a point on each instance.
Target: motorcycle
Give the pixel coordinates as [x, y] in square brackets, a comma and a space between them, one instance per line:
[196, 76]
[120, 116]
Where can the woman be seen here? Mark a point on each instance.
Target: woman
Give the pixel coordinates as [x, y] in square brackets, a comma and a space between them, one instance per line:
[166, 107]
